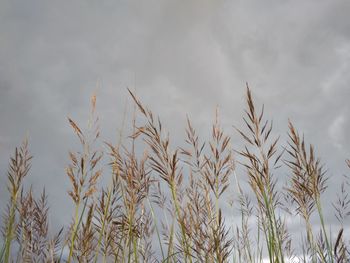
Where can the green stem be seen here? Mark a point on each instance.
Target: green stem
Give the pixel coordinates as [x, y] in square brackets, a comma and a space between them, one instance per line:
[170, 246]
[319, 208]
[103, 225]
[9, 234]
[2, 252]
[310, 237]
[135, 250]
[77, 222]
[183, 231]
[156, 226]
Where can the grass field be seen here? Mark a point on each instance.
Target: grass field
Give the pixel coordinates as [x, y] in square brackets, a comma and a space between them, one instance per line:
[167, 203]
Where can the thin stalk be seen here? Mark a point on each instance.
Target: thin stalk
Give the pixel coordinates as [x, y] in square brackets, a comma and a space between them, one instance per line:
[135, 249]
[218, 256]
[183, 231]
[2, 252]
[75, 228]
[259, 250]
[279, 242]
[319, 208]
[273, 230]
[247, 248]
[156, 226]
[131, 239]
[243, 222]
[118, 250]
[127, 238]
[270, 234]
[217, 198]
[20, 246]
[171, 238]
[9, 234]
[103, 224]
[310, 238]
[267, 237]
[73, 236]
[169, 256]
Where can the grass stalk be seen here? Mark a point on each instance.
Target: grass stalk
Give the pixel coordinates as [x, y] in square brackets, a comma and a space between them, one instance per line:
[180, 220]
[320, 213]
[78, 218]
[187, 185]
[101, 232]
[156, 227]
[9, 232]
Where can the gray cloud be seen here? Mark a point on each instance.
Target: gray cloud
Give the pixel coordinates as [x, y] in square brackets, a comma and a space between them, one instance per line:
[183, 57]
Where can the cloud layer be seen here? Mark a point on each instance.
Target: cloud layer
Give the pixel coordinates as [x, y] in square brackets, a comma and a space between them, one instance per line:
[181, 57]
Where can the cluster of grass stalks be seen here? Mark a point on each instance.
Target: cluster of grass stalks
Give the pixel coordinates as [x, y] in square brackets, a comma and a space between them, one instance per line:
[169, 204]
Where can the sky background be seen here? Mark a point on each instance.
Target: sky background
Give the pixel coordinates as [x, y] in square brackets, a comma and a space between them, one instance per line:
[181, 57]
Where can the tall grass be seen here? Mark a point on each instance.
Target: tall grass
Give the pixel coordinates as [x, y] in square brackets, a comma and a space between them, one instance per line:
[166, 203]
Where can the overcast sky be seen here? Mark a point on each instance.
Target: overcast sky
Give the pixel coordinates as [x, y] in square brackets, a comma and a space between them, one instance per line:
[180, 57]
